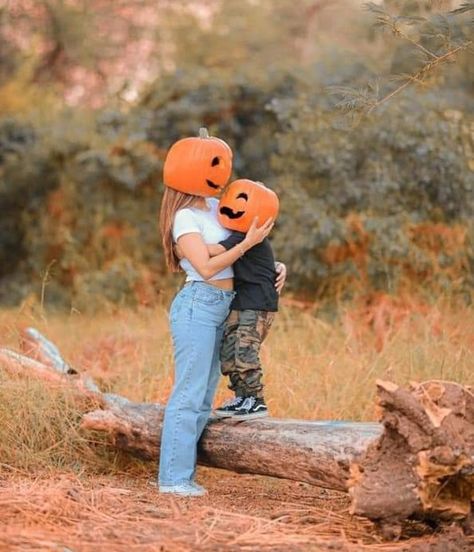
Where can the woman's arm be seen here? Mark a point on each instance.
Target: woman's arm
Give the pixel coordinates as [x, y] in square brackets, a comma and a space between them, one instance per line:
[195, 250]
[215, 249]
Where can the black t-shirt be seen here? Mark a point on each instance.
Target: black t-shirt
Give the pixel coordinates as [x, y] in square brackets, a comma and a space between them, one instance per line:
[254, 276]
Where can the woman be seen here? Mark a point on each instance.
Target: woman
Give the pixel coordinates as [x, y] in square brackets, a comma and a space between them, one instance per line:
[197, 316]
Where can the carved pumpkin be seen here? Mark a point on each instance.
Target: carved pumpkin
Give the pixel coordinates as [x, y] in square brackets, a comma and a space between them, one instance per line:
[242, 201]
[199, 166]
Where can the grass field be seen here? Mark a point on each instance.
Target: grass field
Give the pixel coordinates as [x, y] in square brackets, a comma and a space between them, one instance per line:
[315, 368]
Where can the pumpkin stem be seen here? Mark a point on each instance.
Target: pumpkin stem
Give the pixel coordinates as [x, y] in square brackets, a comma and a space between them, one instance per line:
[203, 132]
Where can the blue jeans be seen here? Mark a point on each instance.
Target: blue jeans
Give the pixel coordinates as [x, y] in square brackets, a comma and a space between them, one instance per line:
[197, 318]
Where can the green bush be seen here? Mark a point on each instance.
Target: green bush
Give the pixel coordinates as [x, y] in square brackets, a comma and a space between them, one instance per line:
[408, 167]
[385, 205]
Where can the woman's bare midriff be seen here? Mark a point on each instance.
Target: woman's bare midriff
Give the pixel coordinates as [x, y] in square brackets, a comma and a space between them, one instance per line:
[226, 283]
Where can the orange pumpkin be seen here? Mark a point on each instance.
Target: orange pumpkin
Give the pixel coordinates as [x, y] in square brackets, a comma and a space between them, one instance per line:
[243, 200]
[199, 166]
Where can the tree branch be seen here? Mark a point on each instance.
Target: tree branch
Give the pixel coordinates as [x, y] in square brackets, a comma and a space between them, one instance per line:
[421, 73]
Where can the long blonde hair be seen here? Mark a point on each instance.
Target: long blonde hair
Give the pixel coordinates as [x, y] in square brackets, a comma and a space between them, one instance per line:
[171, 203]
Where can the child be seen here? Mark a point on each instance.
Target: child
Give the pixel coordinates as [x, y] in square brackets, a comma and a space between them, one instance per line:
[255, 304]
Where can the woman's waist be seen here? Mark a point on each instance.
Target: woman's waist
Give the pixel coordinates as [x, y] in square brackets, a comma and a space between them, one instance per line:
[226, 284]
[193, 275]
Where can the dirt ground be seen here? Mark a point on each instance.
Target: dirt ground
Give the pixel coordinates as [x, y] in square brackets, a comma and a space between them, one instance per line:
[124, 512]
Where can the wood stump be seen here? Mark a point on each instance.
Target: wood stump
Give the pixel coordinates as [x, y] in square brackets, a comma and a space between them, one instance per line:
[423, 464]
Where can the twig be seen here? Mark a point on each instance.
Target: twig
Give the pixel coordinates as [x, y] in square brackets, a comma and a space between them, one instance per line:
[416, 77]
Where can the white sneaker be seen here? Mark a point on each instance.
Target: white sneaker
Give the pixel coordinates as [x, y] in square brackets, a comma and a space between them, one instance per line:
[199, 487]
[184, 489]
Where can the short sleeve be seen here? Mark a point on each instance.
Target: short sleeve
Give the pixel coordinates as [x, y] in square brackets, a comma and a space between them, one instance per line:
[234, 239]
[184, 223]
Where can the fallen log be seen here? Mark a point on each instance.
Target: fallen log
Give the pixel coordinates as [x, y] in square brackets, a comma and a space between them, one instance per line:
[419, 462]
[319, 453]
[36, 346]
[20, 364]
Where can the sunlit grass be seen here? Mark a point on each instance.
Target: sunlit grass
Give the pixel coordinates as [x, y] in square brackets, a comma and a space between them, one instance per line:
[313, 369]
[40, 430]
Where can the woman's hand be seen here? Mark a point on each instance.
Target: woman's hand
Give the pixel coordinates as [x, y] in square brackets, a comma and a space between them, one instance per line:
[256, 235]
[281, 276]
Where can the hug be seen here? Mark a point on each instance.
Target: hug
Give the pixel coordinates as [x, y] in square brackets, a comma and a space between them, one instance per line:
[225, 309]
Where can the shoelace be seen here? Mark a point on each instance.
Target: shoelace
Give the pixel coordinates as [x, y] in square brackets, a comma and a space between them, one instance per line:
[248, 403]
[233, 402]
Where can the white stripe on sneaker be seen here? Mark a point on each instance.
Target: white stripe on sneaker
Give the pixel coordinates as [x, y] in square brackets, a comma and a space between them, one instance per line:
[247, 404]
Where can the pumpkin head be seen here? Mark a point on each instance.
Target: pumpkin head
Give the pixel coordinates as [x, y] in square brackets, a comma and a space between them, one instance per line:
[199, 166]
[242, 201]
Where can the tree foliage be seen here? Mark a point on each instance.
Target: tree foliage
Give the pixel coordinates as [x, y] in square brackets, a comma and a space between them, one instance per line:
[386, 204]
[426, 41]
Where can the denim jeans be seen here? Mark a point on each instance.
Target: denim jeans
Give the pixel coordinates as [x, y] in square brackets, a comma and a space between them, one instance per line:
[197, 318]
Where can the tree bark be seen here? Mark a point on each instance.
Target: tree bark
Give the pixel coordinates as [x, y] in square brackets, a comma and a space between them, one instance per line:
[423, 464]
[318, 453]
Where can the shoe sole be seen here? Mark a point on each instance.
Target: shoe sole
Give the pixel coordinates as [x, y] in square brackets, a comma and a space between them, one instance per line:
[184, 494]
[243, 417]
[224, 414]
[199, 489]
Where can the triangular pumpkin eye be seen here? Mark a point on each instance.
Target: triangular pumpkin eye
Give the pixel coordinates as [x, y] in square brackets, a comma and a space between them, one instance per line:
[215, 161]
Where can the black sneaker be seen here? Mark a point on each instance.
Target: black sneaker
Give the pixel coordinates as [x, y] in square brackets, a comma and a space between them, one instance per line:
[251, 408]
[229, 408]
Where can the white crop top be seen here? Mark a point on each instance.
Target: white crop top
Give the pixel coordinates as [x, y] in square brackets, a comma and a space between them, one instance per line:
[205, 223]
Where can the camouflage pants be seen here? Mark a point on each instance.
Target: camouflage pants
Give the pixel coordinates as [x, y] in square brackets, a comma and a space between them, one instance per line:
[244, 333]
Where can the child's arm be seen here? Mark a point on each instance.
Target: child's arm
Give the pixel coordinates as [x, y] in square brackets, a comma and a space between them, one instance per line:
[215, 249]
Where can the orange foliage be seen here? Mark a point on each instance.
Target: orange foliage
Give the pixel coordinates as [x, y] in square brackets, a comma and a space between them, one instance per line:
[437, 237]
[116, 231]
[378, 315]
[446, 249]
[56, 204]
[355, 247]
[145, 288]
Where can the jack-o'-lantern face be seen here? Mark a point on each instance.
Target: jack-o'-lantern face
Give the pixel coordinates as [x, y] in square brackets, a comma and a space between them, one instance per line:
[242, 201]
[199, 166]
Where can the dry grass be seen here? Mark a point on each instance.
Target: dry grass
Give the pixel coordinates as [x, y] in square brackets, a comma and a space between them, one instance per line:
[61, 511]
[313, 368]
[39, 431]
[243, 513]
[61, 489]
[123, 512]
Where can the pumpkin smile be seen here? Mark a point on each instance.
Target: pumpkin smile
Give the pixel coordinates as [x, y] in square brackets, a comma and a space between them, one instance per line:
[212, 185]
[227, 211]
[242, 201]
